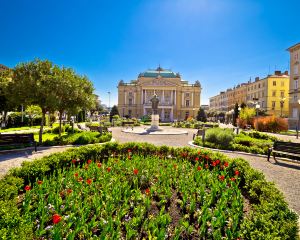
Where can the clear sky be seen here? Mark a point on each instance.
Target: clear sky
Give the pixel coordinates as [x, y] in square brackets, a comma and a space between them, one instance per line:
[219, 42]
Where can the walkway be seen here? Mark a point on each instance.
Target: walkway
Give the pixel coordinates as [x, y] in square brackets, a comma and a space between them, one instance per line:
[286, 175]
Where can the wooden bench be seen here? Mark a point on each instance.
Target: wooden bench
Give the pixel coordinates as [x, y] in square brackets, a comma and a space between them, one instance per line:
[285, 148]
[17, 140]
[128, 123]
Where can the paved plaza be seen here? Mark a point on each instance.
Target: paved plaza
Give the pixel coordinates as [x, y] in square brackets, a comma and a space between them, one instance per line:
[286, 175]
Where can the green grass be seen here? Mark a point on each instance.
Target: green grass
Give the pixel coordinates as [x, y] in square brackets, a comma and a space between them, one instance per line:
[19, 129]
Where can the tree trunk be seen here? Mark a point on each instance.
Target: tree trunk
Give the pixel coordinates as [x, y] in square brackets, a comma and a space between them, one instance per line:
[42, 126]
[60, 120]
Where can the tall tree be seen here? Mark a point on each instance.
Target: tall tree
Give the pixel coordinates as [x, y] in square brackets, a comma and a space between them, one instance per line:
[236, 113]
[5, 83]
[114, 111]
[201, 116]
[73, 92]
[32, 84]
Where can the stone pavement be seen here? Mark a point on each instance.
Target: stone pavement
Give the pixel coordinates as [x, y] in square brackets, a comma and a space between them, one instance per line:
[286, 175]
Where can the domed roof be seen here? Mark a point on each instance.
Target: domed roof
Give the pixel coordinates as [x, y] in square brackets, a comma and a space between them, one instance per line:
[153, 73]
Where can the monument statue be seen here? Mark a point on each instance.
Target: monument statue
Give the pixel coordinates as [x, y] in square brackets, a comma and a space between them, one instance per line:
[154, 100]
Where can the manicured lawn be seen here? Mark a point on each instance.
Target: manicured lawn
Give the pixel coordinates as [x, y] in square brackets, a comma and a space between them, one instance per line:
[19, 129]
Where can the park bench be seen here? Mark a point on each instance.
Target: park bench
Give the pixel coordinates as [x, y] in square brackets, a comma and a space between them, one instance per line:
[127, 123]
[199, 133]
[284, 148]
[100, 129]
[17, 140]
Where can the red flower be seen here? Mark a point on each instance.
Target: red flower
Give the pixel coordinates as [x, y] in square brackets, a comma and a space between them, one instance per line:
[147, 191]
[39, 182]
[226, 164]
[175, 166]
[199, 152]
[129, 157]
[74, 161]
[206, 166]
[217, 161]
[221, 178]
[89, 181]
[198, 168]
[56, 218]
[108, 169]
[129, 150]
[99, 165]
[27, 187]
[89, 161]
[80, 179]
[214, 164]
[76, 174]
[236, 172]
[69, 190]
[135, 171]
[196, 159]
[232, 179]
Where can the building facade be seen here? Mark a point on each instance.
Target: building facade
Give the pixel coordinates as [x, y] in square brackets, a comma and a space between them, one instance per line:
[269, 94]
[178, 98]
[294, 93]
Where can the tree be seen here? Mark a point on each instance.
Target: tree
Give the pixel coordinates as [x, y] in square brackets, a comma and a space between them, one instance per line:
[98, 107]
[201, 116]
[247, 114]
[33, 111]
[32, 83]
[243, 105]
[114, 111]
[5, 81]
[236, 113]
[73, 92]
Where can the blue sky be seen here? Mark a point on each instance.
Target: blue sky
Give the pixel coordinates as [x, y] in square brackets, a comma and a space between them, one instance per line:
[219, 42]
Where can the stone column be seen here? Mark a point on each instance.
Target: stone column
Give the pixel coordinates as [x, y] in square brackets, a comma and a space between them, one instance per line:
[192, 99]
[182, 99]
[163, 114]
[163, 96]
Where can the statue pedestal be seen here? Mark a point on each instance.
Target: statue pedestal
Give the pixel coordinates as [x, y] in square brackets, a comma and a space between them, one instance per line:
[154, 123]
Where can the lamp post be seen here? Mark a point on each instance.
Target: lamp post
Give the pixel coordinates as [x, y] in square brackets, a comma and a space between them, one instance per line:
[108, 102]
[281, 105]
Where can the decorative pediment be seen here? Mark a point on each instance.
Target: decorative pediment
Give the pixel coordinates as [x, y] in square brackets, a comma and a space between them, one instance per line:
[158, 82]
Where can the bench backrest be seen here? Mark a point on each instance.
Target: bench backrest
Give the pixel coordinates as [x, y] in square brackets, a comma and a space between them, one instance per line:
[16, 138]
[287, 147]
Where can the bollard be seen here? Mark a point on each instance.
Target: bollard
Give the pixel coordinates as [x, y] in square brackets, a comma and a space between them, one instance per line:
[203, 136]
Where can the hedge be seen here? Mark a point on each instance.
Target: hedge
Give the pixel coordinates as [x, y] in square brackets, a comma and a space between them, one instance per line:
[269, 216]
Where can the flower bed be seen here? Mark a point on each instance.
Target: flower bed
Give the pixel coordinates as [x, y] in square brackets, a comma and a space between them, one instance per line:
[141, 191]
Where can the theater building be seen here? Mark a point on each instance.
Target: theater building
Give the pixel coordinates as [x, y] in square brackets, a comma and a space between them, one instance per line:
[178, 99]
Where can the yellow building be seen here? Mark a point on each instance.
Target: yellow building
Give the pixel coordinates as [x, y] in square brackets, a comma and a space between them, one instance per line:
[178, 98]
[270, 94]
[294, 93]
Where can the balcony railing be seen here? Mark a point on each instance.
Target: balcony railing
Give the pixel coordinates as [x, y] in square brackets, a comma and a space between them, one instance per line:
[160, 104]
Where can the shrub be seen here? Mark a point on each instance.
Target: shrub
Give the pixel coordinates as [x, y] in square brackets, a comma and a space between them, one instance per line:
[270, 124]
[222, 137]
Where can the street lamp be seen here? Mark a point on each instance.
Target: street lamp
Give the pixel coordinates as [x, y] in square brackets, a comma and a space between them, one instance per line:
[257, 106]
[108, 102]
[281, 105]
